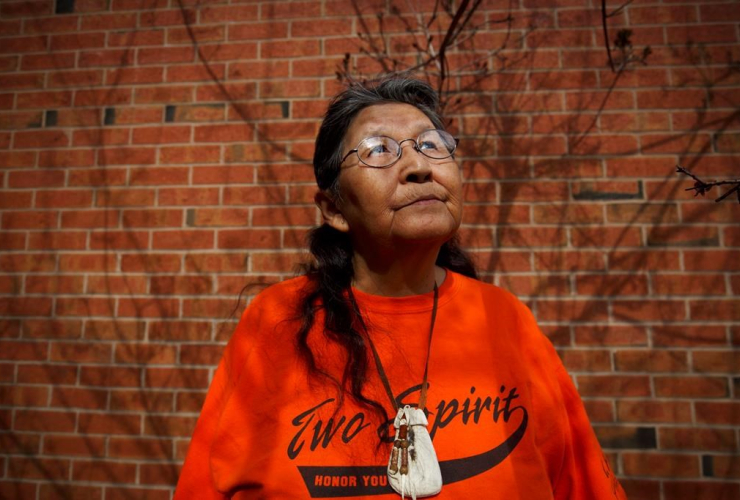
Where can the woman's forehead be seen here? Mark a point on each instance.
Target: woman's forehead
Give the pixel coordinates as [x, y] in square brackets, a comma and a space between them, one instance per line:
[389, 119]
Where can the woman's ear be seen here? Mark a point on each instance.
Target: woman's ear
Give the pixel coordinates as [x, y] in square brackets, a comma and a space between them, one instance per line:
[330, 213]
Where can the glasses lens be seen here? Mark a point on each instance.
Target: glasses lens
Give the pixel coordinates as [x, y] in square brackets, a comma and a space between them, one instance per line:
[378, 151]
[436, 144]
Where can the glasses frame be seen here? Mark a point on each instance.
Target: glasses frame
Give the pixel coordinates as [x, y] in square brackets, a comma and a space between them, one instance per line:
[400, 148]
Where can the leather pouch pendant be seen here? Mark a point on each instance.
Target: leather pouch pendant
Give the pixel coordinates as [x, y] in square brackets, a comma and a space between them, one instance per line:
[413, 469]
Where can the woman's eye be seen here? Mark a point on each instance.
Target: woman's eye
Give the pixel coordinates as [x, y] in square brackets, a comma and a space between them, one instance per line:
[428, 145]
[376, 150]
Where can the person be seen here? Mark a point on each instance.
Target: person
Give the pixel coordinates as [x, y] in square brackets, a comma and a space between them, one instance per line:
[387, 367]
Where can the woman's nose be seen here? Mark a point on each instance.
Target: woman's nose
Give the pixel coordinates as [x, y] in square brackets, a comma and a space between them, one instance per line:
[416, 168]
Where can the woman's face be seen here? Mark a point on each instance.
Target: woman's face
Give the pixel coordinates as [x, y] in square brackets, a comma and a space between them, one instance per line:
[417, 199]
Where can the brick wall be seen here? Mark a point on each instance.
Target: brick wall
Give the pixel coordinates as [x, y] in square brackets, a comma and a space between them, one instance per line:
[154, 158]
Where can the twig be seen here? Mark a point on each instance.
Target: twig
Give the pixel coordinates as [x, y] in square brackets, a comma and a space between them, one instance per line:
[701, 188]
[606, 35]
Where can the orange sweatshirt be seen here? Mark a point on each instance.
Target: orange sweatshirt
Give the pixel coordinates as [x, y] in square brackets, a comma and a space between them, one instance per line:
[504, 416]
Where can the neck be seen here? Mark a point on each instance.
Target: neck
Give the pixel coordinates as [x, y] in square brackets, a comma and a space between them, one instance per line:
[407, 271]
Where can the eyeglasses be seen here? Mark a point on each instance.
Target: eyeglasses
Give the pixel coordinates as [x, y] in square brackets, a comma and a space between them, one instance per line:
[382, 151]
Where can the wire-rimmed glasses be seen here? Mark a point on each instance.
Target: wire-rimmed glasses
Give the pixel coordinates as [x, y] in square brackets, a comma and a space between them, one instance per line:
[382, 151]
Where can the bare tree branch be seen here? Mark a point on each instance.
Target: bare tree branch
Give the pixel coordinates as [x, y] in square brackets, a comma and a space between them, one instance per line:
[701, 187]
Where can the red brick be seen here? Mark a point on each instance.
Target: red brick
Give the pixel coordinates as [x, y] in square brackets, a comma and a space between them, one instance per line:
[174, 17]
[199, 113]
[531, 237]
[30, 220]
[25, 306]
[649, 310]
[98, 177]
[104, 471]
[691, 438]
[108, 285]
[103, 97]
[647, 213]
[125, 197]
[688, 284]
[227, 174]
[17, 159]
[28, 396]
[578, 360]
[289, 88]
[56, 329]
[27, 262]
[165, 55]
[114, 330]
[94, 58]
[48, 469]
[40, 139]
[196, 34]
[651, 360]
[150, 449]
[164, 426]
[74, 397]
[214, 14]
[263, 30]
[148, 307]
[48, 374]
[276, 262]
[85, 307]
[573, 310]
[123, 76]
[44, 421]
[609, 237]
[147, 354]
[226, 92]
[24, 44]
[141, 400]
[162, 474]
[224, 133]
[694, 387]
[167, 94]
[89, 218]
[176, 377]
[81, 446]
[561, 260]
[195, 73]
[597, 100]
[613, 385]
[150, 263]
[24, 179]
[180, 330]
[189, 154]
[661, 465]
[717, 413]
[136, 38]
[227, 52]
[108, 376]
[152, 218]
[199, 239]
[695, 490]
[22, 81]
[612, 285]
[54, 284]
[292, 10]
[650, 411]
[201, 354]
[634, 260]
[716, 361]
[715, 310]
[92, 423]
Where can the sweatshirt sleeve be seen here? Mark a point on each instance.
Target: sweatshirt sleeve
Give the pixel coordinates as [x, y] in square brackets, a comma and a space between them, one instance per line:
[584, 472]
[196, 477]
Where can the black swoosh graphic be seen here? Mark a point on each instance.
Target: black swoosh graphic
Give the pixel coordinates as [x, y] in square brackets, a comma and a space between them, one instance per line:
[337, 481]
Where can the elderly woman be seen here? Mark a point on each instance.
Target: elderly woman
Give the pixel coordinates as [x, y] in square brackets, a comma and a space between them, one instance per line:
[388, 368]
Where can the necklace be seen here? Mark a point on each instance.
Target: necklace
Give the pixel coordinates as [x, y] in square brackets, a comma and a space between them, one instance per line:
[413, 468]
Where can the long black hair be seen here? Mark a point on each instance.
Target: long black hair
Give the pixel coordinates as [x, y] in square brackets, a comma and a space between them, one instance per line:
[331, 272]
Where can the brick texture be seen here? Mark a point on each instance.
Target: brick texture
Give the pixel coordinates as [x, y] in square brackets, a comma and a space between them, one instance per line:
[155, 158]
